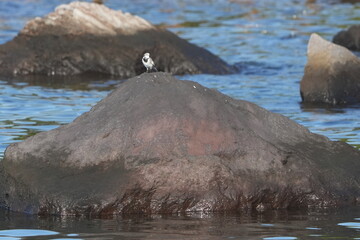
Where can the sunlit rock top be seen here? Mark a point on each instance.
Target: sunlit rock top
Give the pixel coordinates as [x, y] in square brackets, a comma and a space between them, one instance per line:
[321, 51]
[86, 18]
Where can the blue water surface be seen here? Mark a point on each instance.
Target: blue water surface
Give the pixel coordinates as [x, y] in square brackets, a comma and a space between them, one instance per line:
[265, 39]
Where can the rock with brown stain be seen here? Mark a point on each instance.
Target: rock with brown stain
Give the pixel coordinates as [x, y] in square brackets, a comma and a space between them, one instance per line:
[90, 38]
[157, 144]
[332, 74]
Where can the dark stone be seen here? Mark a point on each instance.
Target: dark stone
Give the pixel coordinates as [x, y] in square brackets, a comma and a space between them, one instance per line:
[83, 37]
[350, 1]
[332, 74]
[332, 2]
[161, 145]
[349, 38]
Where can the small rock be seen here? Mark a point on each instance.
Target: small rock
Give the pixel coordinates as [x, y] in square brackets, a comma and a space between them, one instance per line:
[331, 74]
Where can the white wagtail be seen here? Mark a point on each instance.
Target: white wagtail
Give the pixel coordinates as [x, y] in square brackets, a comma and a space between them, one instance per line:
[148, 63]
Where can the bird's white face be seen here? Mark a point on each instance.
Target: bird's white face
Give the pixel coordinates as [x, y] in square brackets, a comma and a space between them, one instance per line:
[148, 62]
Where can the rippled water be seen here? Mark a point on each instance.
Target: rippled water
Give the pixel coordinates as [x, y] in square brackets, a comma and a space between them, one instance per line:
[280, 225]
[266, 39]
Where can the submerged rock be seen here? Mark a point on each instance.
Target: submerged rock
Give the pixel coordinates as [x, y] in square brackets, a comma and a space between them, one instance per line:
[332, 74]
[349, 38]
[83, 37]
[161, 145]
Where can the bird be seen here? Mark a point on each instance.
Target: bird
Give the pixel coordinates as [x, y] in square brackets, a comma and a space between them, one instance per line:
[148, 63]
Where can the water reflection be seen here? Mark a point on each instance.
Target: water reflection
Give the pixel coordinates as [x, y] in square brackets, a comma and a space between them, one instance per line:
[324, 108]
[355, 225]
[85, 82]
[26, 233]
[280, 238]
[341, 224]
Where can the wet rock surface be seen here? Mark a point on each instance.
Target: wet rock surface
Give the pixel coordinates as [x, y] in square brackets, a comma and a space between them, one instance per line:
[332, 74]
[81, 37]
[161, 145]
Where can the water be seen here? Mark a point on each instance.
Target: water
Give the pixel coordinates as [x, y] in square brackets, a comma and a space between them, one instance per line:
[277, 225]
[267, 40]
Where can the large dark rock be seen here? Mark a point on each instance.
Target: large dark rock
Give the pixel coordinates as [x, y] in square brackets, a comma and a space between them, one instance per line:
[332, 74]
[161, 145]
[349, 38]
[86, 37]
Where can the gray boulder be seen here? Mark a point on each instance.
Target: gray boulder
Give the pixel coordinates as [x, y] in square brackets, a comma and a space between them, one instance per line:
[157, 144]
[332, 74]
[89, 38]
[349, 38]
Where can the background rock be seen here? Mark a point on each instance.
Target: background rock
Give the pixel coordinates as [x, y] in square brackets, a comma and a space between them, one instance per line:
[160, 145]
[332, 74]
[349, 38]
[90, 38]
